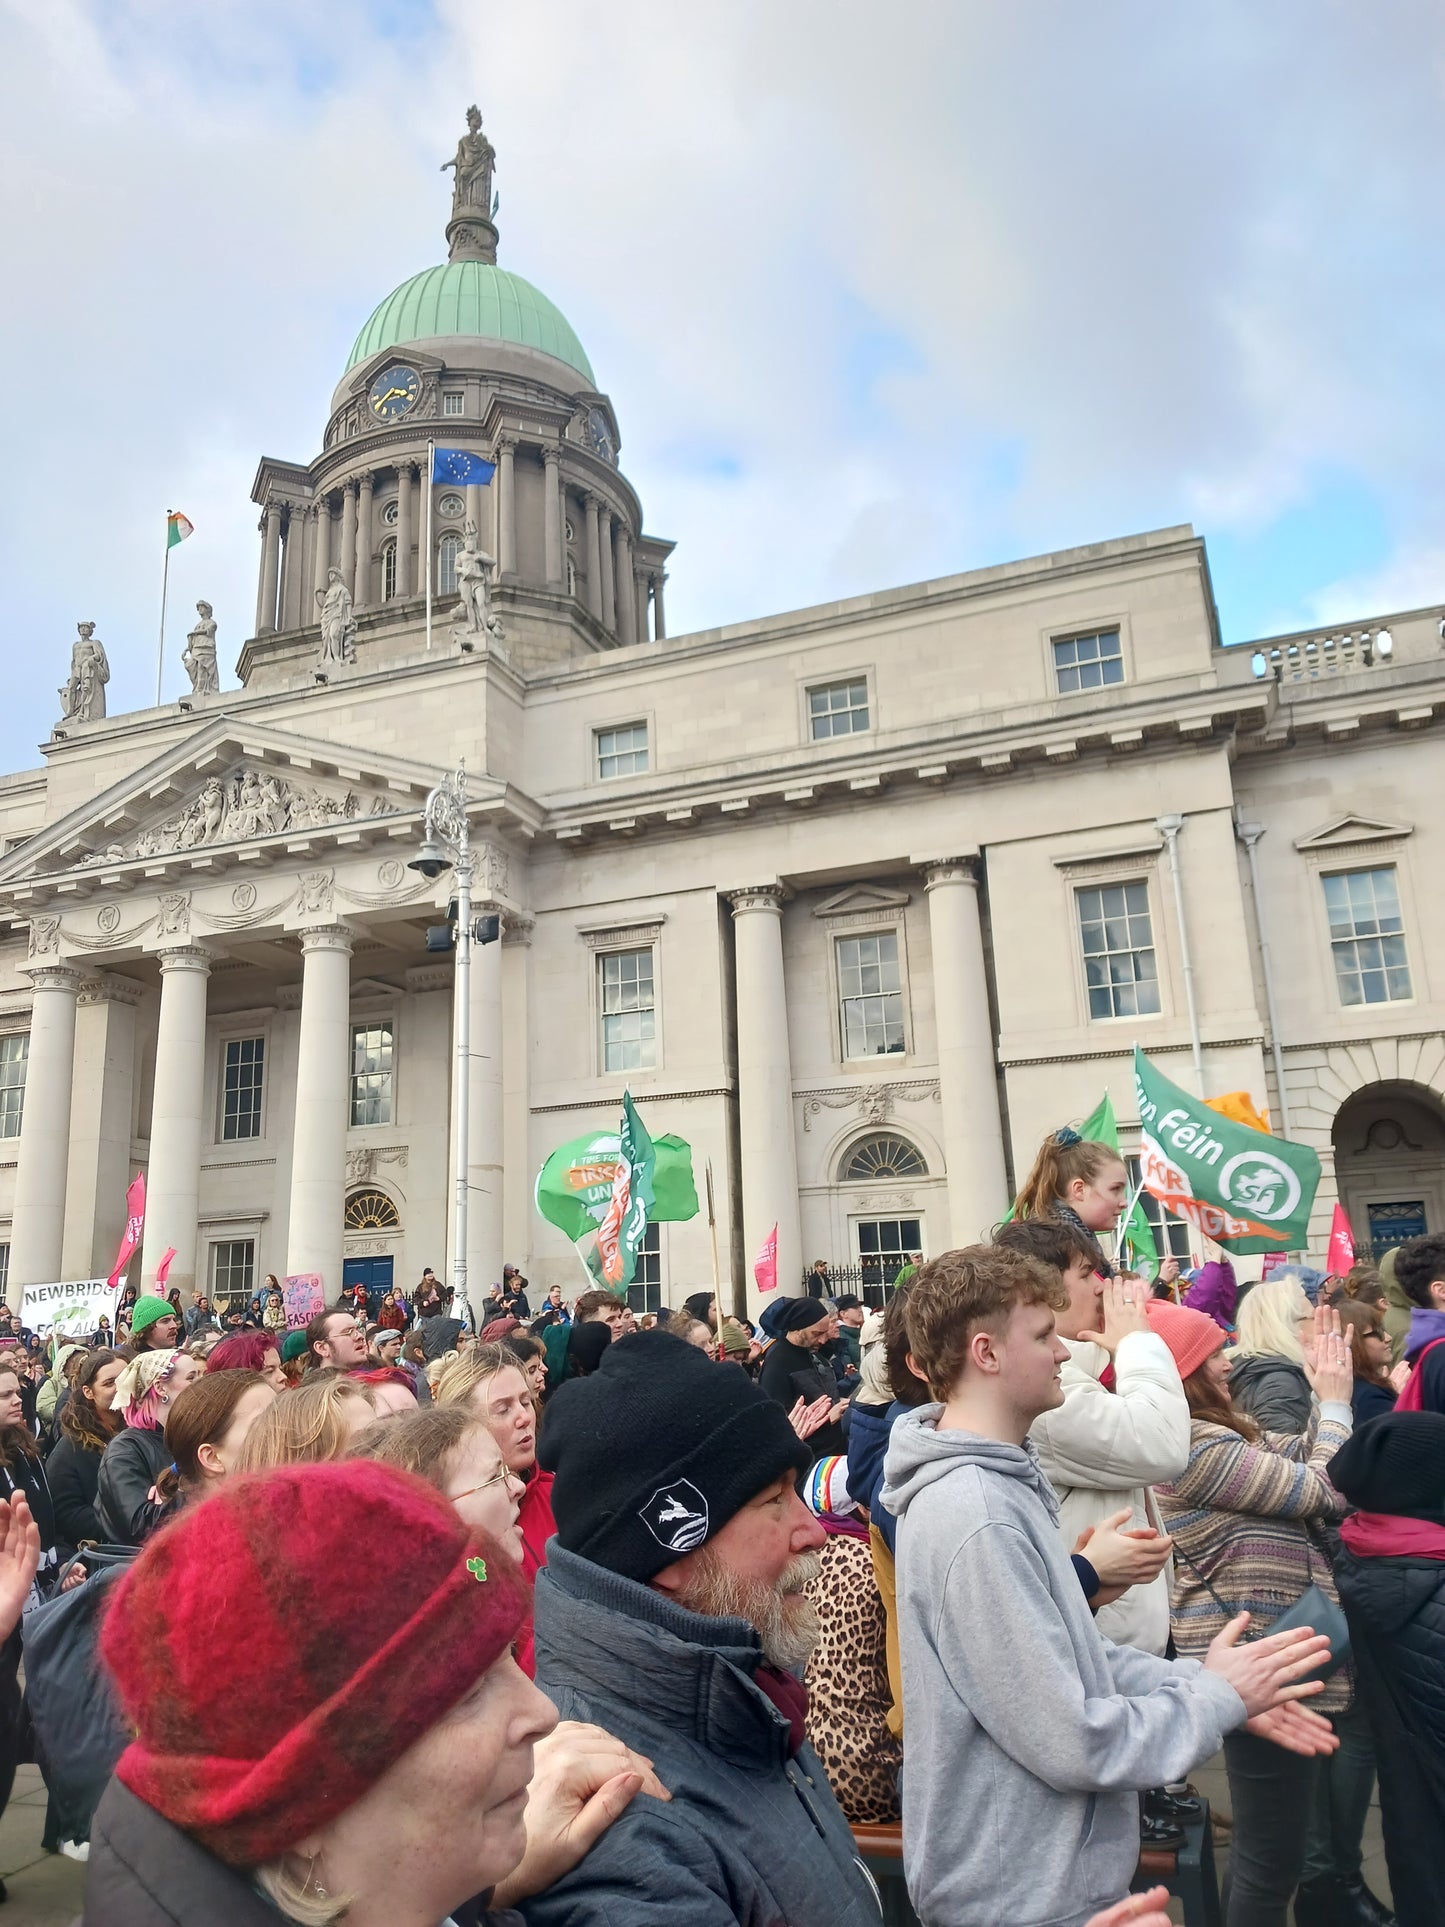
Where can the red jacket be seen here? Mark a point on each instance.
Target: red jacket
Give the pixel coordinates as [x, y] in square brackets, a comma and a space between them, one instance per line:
[537, 1524]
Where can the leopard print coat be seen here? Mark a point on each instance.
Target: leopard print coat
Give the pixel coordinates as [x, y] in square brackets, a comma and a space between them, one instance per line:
[847, 1682]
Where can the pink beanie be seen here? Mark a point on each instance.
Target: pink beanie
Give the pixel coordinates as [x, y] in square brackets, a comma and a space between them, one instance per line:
[1192, 1336]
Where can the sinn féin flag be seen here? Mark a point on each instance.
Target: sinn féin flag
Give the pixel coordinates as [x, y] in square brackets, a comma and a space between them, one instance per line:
[460, 466]
[178, 527]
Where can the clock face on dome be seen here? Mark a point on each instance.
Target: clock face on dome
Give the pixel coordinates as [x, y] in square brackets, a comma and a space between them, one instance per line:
[393, 393]
[600, 435]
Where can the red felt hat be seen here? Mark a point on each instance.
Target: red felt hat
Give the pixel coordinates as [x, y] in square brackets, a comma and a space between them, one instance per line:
[264, 1647]
[1192, 1336]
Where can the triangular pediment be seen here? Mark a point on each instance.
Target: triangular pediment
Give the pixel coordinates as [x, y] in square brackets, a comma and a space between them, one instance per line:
[1342, 831]
[227, 786]
[861, 899]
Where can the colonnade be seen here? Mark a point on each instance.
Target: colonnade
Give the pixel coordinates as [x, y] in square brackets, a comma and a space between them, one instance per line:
[302, 541]
[180, 1130]
[972, 1123]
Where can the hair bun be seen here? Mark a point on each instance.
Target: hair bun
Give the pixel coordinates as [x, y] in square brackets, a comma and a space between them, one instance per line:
[1067, 1136]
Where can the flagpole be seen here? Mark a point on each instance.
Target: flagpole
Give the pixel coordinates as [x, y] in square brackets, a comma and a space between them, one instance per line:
[165, 586]
[716, 1271]
[430, 460]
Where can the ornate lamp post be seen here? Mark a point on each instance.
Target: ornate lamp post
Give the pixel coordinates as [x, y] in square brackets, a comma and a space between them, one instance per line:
[447, 845]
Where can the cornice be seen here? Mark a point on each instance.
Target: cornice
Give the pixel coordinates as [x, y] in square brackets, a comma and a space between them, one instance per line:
[614, 1101]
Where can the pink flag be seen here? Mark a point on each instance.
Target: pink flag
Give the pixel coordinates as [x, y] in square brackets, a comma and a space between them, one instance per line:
[765, 1265]
[163, 1269]
[1342, 1244]
[135, 1217]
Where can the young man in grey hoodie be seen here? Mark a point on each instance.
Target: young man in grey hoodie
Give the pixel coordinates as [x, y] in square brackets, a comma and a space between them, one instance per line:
[1030, 1736]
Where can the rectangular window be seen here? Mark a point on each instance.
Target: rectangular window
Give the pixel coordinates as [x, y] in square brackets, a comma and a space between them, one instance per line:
[1088, 662]
[622, 752]
[1171, 1234]
[838, 709]
[870, 995]
[885, 1246]
[14, 1052]
[453, 402]
[233, 1269]
[371, 1066]
[645, 1291]
[1119, 965]
[242, 1072]
[1367, 936]
[628, 1003]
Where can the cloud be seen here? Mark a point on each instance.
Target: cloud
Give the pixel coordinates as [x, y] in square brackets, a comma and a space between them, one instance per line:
[876, 298]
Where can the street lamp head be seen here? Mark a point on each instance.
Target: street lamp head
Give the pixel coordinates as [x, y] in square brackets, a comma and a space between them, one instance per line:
[431, 859]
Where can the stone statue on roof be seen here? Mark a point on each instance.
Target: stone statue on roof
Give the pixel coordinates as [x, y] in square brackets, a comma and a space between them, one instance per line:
[338, 624]
[474, 585]
[198, 658]
[472, 184]
[82, 700]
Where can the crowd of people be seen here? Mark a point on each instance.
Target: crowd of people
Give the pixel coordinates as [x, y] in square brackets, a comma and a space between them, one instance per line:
[594, 1616]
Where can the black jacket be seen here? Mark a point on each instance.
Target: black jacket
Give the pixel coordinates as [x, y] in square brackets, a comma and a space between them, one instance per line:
[1396, 1610]
[789, 1373]
[1274, 1391]
[74, 1474]
[129, 1467]
[143, 1872]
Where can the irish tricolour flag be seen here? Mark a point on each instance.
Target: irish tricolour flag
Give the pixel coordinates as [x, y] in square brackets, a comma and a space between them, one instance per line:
[178, 527]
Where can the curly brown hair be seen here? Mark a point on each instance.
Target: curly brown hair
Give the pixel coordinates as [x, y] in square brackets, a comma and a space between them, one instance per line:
[950, 1296]
[81, 1420]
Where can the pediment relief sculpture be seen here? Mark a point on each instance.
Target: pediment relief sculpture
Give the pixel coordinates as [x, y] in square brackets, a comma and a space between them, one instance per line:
[249, 802]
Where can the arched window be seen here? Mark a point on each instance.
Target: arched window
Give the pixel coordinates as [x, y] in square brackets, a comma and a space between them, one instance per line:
[371, 1210]
[571, 575]
[448, 549]
[881, 1156]
[388, 570]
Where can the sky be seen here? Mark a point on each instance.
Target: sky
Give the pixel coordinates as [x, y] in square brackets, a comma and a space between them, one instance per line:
[878, 294]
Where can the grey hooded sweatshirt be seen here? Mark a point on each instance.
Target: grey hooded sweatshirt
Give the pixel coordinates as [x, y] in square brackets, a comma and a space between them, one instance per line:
[1030, 1736]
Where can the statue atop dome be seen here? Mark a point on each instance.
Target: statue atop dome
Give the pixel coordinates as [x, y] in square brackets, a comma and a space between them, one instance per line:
[471, 233]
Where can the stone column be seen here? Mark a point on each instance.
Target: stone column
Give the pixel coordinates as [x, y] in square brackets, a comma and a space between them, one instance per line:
[348, 537]
[626, 586]
[506, 511]
[553, 516]
[323, 554]
[100, 1166]
[967, 1065]
[37, 1228]
[292, 567]
[765, 1089]
[404, 537]
[484, 1110]
[361, 594]
[609, 580]
[594, 559]
[270, 570]
[659, 623]
[318, 1156]
[173, 1180]
[643, 588]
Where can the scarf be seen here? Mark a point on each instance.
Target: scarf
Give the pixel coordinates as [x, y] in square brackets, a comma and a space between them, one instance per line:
[1387, 1535]
[790, 1696]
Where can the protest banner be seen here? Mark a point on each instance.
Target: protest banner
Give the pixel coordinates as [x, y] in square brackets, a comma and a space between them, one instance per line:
[73, 1308]
[303, 1296]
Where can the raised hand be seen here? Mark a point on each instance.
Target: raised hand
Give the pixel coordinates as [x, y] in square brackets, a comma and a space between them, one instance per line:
[805, 1419]
[19, 1559]
[1267, 1672]
[1329, 1371]
[1296, 1729]
[1122, 1312]
[1122, 1556]
[582, 1780]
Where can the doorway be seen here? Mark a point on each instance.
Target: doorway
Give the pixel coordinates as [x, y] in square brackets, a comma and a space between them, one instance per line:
[374, 1273]
[1390, 1164]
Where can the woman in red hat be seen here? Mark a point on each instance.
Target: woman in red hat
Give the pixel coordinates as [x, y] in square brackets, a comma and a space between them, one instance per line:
[369, 1789]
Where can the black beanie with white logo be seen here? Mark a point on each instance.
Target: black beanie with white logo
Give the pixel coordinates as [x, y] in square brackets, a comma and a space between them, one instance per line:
[656, 1450]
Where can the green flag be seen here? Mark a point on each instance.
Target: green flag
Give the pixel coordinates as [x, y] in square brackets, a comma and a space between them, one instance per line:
[1246, 1190]
[1136, 1234]
[576, 1186]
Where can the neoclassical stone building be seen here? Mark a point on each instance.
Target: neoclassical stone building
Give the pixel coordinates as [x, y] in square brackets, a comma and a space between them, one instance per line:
[861, 900]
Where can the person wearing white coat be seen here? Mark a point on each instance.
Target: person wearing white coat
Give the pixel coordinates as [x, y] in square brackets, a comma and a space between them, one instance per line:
[1123, 1426]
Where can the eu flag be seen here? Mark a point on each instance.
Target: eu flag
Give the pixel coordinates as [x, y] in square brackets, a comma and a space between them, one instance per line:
[461, 466]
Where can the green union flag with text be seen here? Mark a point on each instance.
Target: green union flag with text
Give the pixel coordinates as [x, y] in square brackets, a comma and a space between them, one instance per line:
[603, 1189]
[1246, 1190]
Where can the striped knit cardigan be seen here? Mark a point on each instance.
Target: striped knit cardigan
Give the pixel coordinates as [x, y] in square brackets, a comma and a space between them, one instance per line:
[1238, 1512]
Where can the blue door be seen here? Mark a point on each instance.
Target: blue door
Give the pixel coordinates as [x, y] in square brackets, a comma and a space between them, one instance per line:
[374, 1273]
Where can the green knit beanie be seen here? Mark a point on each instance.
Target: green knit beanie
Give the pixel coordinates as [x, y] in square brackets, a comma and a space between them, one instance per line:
[293, 1345]
[146, 1311]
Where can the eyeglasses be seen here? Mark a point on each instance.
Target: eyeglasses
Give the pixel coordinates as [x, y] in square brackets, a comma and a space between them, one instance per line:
[496, 1479]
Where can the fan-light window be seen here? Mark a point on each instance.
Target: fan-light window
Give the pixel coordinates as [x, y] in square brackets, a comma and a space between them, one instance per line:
[880, 1157]
[371, 1210]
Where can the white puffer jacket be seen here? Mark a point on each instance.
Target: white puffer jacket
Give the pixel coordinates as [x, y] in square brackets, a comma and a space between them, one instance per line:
[1102, 1450]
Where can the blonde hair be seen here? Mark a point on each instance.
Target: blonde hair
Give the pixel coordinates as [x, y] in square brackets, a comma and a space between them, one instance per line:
[471, 1369]
[306, 1426]
[294, 1899]
[1268, 1322]
[1062, 1157]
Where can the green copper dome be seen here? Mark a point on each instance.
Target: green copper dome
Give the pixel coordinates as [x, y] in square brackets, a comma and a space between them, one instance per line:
[471, 298]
